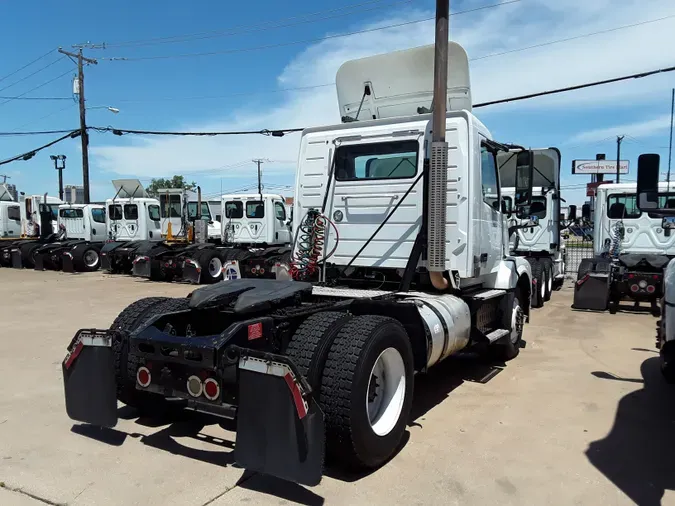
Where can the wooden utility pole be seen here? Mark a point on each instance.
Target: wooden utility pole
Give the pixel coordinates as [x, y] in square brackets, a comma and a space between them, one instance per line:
[83, 122]
[618, 155]
[259, 162]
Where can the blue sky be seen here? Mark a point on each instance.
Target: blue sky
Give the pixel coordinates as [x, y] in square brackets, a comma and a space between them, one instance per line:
[248, 85]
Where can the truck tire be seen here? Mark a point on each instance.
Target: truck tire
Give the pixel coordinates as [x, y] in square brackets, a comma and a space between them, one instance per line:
[90, 259]
[28, 253]
[211, 265]
[539, 288]
[548, 272]
[508, 347]
[311, 343]
[130, 319]
[366, 391]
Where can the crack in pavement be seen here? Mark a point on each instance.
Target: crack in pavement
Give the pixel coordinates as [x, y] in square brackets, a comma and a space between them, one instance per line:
[241, 481]
[19, 490]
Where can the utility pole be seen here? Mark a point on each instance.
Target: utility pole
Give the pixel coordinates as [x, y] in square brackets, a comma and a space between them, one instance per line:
[670, 147]
[259, 162]
[4, 177]
[83, 123]
[619, 138]
[60, 168]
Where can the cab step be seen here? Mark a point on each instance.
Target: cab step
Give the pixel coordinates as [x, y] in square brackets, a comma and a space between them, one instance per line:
[489, 294]
[497, 334]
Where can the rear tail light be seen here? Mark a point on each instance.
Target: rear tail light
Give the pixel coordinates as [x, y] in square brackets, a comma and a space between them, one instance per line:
[211, 389]
[195, 387]
[143, 376]
[631, 276]
[254, 270]
[634, 288]
[656, 276]
[651, 289]
[261, 270]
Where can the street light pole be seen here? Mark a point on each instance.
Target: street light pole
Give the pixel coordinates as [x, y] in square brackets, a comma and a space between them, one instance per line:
[618, 155]
[61, 168]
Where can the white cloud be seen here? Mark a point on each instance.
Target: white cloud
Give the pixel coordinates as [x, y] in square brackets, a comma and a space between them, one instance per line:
[485, 32]
[639, 129]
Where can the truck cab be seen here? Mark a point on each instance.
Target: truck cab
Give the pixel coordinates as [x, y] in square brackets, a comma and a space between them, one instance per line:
[83, 221]
[10, 215]
[36, 210]
[255, 219]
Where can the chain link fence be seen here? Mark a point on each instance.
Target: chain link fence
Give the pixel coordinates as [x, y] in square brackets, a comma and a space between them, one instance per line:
[578, 245]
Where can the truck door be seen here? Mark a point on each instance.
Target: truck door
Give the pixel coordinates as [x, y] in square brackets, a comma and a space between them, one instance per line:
[12, 221]
[253, 228]
[97, 220]
[282, 234]
[370, 178]
[491, 249]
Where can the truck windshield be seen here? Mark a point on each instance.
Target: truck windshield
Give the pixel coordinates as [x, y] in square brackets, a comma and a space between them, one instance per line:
[234, 210]
[255, 209]
[192, 211]
[170, 205]
[115, 212]
[382, 160]
[71, 213]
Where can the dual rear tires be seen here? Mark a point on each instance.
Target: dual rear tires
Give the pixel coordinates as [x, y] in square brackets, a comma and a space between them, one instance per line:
[361, 372]
[542, 275]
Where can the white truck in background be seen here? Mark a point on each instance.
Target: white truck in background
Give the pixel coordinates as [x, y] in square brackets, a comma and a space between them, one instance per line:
[536, 228]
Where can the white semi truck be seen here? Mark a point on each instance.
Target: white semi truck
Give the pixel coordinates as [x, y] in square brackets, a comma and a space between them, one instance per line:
[632, 248]
[536, 228]
[400, 261]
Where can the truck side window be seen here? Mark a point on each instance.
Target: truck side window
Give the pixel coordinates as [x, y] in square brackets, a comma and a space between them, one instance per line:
[381, 160]
[622, 207]
[153, 212]
[170, 206]
[98, 215]
[14, 213]
[71, 213]
[115, 212]
[280, 211]
[255, 209]
[489, 178]
[130, 211]
[234, 210]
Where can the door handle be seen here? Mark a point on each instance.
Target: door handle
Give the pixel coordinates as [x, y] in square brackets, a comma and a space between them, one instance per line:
[381, 195]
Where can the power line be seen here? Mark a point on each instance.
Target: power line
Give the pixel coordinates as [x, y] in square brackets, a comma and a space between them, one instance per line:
[36, 98]
[39, 132]
[37, 87]
[306, 41]
[27, 65]
[30, 154]
[576, 87]
[347, 10]
[34, 73]
[124, 131]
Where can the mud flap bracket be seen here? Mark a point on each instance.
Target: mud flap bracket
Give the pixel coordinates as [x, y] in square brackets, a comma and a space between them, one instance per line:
[89, 379]
[280, 427]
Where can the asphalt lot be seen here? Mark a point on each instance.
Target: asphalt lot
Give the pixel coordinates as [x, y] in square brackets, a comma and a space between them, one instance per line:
[580, 417]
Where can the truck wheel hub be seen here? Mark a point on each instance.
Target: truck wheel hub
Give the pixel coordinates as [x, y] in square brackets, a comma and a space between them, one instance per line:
[386, 392]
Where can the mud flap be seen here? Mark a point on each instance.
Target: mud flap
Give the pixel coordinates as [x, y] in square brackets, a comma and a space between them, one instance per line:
[142, 267]
[592, 291]
[39, 262]
[280, 428]
[67, 262]
[192, 272]
[89, 379]
[17, 262]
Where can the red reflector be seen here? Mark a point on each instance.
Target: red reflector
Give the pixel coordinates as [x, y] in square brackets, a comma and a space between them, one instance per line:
[143, 376]
[73, 355]
[211, 389]
[297, 396]
[651, 289]
[255, 331]
[631, 276]
[581, 281]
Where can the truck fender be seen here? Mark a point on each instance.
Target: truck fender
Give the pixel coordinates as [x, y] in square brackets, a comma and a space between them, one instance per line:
[668, 315]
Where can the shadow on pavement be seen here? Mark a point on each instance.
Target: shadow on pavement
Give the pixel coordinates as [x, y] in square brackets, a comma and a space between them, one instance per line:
[281, 489]
[637, 454]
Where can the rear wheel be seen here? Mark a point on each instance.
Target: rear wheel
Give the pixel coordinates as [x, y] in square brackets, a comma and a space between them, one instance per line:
[311, 343]
[548, 272]
[539, 288]
[508, 347]
[91, 259]
[366, 391]
[211, 265]
[126, 365]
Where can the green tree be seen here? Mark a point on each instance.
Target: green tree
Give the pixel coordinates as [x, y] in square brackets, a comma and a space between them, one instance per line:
[163, 183]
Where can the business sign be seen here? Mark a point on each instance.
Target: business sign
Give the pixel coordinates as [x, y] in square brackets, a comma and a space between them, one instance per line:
[598, 167]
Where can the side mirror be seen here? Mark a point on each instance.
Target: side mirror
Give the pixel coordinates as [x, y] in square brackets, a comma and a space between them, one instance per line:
[573, 213]
[648, 182]
[505, 208]
[524, 176]
[586, 212]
